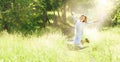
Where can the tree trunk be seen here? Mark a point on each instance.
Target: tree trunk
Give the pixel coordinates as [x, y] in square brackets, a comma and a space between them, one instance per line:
[55, 19]
[59, 17]
[64, 14]
[45, 18]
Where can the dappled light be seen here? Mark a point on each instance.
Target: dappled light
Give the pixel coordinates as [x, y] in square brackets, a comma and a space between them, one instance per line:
[96, 10]
[59, 30]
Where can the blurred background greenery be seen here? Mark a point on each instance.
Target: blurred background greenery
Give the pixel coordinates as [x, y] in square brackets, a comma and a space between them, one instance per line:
[38, 31]
[28, 16]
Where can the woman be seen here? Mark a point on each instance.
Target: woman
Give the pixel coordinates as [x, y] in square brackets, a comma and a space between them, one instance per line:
[80, 23]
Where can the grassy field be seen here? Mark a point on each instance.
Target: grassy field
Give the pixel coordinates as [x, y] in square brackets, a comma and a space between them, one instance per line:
[52, 47]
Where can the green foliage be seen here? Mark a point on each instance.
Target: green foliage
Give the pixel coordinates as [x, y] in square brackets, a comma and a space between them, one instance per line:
[116, 18]
[116, 14]
[26, 15]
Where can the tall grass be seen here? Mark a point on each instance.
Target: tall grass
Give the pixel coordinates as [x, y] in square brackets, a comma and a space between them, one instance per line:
[52, 47]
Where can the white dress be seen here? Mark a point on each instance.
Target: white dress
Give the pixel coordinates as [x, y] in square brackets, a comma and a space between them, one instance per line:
[79, 29]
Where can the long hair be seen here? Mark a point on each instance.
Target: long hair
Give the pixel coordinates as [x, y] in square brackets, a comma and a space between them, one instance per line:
[85, 20]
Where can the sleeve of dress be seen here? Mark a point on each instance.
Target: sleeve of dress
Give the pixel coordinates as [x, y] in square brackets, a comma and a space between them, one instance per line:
[90, 22]
[75, 18]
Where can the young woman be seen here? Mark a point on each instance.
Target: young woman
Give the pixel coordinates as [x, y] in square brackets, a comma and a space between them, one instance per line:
[80, 23]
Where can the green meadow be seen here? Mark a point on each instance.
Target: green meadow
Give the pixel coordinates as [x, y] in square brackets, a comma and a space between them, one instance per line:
[52, 47]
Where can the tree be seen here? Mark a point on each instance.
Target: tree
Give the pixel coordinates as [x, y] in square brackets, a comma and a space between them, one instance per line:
[27, 15]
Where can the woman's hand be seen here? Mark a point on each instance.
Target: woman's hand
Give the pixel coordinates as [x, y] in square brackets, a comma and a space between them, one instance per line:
[72, 13]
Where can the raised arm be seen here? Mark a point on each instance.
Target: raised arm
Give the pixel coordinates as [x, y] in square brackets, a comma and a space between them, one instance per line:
[91, 22]
[75, 18]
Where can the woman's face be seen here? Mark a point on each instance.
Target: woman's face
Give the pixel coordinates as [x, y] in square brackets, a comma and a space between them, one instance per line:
[82, 18]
